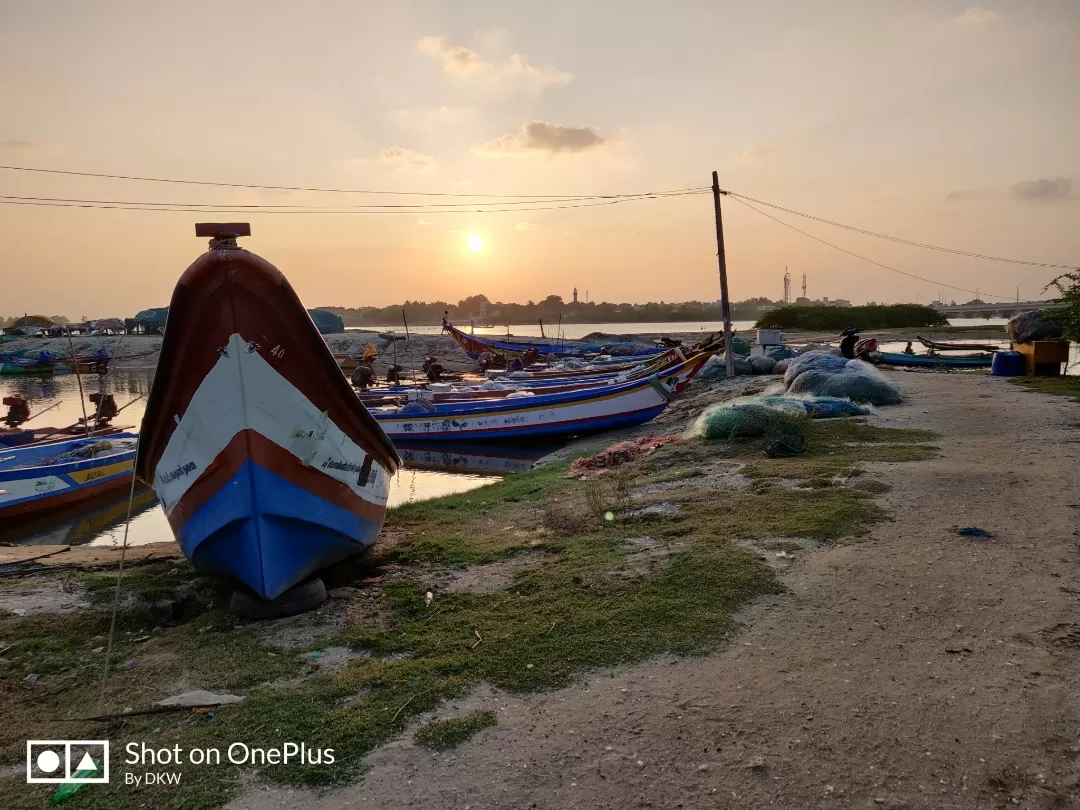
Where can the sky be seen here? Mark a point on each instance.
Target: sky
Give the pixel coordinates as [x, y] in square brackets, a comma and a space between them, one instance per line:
[935, 121]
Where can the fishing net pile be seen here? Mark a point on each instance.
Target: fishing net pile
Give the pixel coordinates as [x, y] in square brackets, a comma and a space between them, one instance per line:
[750, 417]
[1026, 327]
[715, 368]
[82, 453]
[823, 373]
[616, 454]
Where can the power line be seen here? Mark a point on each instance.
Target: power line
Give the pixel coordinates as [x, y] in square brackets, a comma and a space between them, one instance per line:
[121, 206]
[738, 199]
[898, 239]
[177, 181]
[412, 207]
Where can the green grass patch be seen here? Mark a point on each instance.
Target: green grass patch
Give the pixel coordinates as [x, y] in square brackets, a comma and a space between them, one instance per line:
[443, 735]
[872, 487]
[592, 602]
[1056, 386]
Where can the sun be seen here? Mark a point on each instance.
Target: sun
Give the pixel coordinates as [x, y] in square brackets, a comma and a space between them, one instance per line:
[476, 242]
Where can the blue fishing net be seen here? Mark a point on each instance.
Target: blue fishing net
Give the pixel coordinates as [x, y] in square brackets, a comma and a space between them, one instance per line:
[813, 361]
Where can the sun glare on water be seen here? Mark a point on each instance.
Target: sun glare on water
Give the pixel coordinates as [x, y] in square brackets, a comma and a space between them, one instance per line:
[476, 242]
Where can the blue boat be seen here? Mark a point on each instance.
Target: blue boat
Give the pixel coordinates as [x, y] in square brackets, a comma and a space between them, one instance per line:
[586, 410]
[48, 476]
[926, 361]
[268, 467]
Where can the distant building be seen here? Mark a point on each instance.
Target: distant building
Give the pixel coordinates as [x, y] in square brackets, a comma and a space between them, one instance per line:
[843, 303]
[575, 295]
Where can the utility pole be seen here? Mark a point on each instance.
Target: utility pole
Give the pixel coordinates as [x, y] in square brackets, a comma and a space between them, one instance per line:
[725, 302]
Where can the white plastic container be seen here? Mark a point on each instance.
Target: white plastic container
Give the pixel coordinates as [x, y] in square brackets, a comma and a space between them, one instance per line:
[769, 337]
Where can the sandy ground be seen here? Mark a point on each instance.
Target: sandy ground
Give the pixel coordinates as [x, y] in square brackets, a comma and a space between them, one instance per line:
[913, 668]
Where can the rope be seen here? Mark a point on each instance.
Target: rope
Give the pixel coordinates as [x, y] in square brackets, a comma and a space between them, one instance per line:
[119, 578]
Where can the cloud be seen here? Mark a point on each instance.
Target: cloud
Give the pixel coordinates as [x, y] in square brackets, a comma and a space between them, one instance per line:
[456, 59]
[1042, 189]
[763, 154]
[27, 147]
[517, 68]
[465, 63]
[525, 226]
[425, 222]
[974, 17]
[408, 159]
[541, 137]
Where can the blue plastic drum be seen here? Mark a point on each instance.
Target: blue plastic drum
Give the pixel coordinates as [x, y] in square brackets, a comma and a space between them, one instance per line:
[1007, 364]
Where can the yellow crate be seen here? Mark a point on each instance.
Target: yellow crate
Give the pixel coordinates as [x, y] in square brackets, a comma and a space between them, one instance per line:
[1043, 358]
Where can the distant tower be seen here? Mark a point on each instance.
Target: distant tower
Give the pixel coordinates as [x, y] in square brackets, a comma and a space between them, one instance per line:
[575, 295]
[804, 284]
[787, 286]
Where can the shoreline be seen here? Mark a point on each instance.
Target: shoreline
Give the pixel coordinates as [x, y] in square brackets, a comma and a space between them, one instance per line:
[140, 352]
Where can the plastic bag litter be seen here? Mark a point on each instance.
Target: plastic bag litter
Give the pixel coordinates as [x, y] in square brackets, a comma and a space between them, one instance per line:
[813, 361]
[761, 364]
[861, 382]
[1026, 327]
[618, 453]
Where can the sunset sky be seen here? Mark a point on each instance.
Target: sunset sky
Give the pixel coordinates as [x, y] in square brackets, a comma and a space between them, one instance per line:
[935, 121]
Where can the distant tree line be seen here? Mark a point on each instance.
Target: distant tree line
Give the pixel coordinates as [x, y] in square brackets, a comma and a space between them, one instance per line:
[872, 316]
[549, 310]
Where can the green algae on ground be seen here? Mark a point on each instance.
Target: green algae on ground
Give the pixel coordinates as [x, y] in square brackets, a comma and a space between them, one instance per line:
[1056, 386]
[592, 601]
[443, 735]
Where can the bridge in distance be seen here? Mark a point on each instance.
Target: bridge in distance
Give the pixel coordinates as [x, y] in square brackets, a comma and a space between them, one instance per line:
[991, 310]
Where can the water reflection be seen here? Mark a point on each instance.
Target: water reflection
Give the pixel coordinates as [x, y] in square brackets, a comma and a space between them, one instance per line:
[429, 472]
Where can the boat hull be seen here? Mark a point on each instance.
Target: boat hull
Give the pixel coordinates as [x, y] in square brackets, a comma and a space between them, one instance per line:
[922, 361]
[475, 345]
[268, 467]
[571, 413]
[32, 484]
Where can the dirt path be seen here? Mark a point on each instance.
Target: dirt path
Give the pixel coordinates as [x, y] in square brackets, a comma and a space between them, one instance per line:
[913, 668]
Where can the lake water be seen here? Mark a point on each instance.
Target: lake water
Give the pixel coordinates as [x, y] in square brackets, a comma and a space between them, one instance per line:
[430, 470]
[427, 474]
[576, 331]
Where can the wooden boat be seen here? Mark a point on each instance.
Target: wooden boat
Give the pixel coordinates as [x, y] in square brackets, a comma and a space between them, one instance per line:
[45, 477]
[569, 413]
[957, 347]
[926, 361]
[18, 437]
[26, 365]
[267, 465]
[475, 345]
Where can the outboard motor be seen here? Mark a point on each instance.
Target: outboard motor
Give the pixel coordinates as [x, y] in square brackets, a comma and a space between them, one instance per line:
[106, 408]
[18, 411]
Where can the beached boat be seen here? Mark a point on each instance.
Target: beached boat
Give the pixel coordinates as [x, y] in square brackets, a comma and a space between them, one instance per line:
[570, 413]
[20, 437]
[48, 476]
[476, 345]
[267, 465]
[27, 365]
[926, 361]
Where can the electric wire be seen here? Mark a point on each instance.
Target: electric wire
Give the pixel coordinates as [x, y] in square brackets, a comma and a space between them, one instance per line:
[864, 258]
